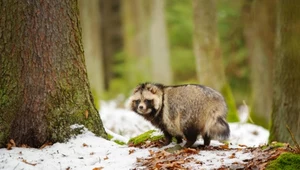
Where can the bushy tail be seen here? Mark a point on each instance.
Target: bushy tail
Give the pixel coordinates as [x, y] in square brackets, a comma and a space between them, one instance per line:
[220, 130]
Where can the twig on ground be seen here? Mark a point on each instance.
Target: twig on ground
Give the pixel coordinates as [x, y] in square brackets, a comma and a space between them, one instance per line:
[294, 139]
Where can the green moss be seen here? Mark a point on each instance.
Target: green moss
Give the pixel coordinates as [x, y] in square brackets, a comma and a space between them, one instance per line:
[232, 115]
[119, 142]
[149, 135]
[110, 137]
[285, 161]
[273, 145]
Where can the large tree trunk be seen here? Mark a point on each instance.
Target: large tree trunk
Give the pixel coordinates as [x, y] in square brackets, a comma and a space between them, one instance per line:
[159, 47]
[91, 38]
[286, 101]
[209, 63]
[259, 28]
[43, 86]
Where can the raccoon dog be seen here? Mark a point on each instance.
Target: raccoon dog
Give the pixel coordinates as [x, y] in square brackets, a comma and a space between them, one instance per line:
[183, 111]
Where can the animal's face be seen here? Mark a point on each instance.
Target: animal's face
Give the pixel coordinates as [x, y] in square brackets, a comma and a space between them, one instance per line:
[145, 101]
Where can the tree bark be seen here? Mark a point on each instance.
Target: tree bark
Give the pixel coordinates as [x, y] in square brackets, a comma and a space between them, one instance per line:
[91, 38]
[43, 87]
[206, 44]
[112, 40]
[159, 47]
[259, 29]
[209, 63]
[286, 102]
[136, 41]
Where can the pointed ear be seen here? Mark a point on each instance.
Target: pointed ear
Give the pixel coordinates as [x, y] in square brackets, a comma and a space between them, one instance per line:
[153, 89]
[136, 89]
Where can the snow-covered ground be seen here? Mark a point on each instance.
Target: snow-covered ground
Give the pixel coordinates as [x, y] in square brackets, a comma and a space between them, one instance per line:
[87, 151]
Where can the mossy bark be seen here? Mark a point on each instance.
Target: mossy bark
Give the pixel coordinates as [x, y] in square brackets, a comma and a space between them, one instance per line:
[43, 87]
[286, 102]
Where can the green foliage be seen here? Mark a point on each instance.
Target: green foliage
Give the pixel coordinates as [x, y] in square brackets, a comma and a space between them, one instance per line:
[180, 31]
[232, 115]
[142, 138]
[285, 161]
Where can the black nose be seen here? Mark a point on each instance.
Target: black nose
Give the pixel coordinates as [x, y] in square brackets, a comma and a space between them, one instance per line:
[141, 107]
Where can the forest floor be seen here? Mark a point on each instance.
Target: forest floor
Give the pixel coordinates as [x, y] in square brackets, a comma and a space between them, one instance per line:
[244, 149]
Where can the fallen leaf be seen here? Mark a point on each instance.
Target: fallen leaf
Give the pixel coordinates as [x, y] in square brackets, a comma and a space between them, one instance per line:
[46, 144]
[226, 146]
[98, 168]
[106, 158]
[9, 146]
[12, 142]
[131, 151]
[86, 114]
[232, 156]
[85, 145]
[24, 146]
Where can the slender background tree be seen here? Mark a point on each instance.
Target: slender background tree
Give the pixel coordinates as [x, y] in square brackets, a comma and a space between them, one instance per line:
[259, 29]
[111, 34]
[91, 39]
[159, 45]
[43, 87]
[209, 62]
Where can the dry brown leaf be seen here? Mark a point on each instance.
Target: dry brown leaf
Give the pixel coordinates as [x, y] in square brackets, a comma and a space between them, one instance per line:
[131, 151]
[86, 114]
[46, 144]
[191, 150]
[106, 158]
[10, 144]
[24, 146]
[33, 164]
[226, 146]
[98, 168]
[85, 145]
[232, 156]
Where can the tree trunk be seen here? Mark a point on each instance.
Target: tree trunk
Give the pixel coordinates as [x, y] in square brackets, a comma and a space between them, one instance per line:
[286, 102]
[112, 40]
[43, 87]
[91, 38]
[136, 40]
[159, 47]
[259, 31]
[207, 50]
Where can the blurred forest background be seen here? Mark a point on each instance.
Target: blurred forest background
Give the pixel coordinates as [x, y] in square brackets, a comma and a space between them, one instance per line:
[225, 44]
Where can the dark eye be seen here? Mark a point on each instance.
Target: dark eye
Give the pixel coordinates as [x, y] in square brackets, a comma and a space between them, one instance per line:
[148, 101]
[137, 102]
